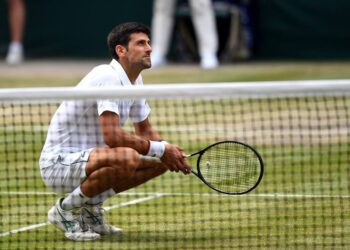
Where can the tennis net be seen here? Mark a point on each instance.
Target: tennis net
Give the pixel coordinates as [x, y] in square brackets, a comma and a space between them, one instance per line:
[300, 128]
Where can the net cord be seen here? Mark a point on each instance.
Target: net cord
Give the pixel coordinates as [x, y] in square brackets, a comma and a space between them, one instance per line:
[184, 91]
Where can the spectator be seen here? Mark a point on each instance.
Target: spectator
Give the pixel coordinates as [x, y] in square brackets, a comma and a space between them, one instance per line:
[203, 18]
[17, 13]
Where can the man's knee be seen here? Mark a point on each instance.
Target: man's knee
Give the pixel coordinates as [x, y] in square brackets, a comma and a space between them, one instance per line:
[124, 160]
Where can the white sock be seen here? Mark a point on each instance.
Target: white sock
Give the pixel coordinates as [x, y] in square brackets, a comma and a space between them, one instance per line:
[15, 46]
[74, 200]
[100, 198]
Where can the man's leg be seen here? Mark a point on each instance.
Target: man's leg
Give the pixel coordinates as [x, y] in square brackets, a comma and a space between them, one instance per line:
[204, 22]
[146, 172]
[119, 168]
[162, 27]
[111, 171]
[66, 176]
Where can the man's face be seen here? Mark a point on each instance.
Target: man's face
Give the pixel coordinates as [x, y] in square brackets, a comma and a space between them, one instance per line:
[139, 50]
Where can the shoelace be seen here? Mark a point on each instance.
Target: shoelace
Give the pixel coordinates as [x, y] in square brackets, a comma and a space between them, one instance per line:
[71, 224]
[78, 225]
[95, 215]
[84, 226]
[99, 212]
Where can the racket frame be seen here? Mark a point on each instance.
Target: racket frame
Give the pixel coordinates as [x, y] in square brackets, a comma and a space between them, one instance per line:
[200, 176]
[201, 152]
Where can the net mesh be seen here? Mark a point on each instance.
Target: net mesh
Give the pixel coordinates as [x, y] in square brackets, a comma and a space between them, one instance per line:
[302, 201]
[230, 167]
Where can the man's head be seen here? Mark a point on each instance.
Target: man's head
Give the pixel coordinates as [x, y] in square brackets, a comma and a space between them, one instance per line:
[126, 36]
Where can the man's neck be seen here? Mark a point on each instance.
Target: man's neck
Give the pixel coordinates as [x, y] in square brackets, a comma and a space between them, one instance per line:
[131, 71]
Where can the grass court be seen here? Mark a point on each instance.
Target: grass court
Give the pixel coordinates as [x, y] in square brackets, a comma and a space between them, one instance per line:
[301, 203]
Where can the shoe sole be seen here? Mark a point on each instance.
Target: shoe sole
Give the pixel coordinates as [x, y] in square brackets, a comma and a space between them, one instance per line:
[72, 236]
[117, 232]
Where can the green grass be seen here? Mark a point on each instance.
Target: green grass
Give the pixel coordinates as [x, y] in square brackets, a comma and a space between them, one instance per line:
[182, 219]
[51, 73]
[258, 71]
[301, 203]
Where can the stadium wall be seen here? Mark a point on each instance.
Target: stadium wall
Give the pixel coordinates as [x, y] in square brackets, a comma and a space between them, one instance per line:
[283, 29]
[76, 28]
[303, 29]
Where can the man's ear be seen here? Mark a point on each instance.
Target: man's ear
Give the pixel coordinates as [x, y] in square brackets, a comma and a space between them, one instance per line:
[120, 50]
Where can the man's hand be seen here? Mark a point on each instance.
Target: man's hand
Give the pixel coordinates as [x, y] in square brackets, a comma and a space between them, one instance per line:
[174, 159]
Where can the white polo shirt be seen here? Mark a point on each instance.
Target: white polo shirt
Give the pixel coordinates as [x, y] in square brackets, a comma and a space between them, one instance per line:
[75, 125]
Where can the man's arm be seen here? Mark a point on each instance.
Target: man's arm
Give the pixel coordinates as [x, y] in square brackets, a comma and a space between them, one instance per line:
[173, 156]
[146, 131]
[115, 136]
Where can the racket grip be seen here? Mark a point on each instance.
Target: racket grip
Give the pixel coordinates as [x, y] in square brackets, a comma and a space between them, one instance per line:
[155, 159]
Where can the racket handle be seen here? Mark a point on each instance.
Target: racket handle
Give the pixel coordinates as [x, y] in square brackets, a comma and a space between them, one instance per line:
[154, 159]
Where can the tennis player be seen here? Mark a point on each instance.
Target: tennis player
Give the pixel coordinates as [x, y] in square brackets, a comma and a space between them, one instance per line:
[88, 154]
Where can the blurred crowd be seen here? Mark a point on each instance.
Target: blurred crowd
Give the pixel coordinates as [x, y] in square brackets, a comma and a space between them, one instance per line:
[201, 12]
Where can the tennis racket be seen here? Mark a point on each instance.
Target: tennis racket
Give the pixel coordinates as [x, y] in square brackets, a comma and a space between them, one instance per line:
[228, 167]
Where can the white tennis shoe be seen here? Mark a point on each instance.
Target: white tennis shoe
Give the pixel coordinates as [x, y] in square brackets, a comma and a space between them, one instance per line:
[93, 218]
[70, 222]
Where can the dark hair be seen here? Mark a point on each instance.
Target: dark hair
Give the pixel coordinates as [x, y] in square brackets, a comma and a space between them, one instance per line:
[120, 35]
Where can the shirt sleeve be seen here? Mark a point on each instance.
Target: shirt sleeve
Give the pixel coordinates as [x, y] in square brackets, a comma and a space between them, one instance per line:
[139, 111]
[108, 105]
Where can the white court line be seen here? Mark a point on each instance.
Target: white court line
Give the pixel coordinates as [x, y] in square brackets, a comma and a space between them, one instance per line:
[158, 195]
[214, 194]
[133, 202]
[122, 204]
[23, 229]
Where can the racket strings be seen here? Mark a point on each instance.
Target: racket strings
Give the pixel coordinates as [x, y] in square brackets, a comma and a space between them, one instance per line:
[230, 167]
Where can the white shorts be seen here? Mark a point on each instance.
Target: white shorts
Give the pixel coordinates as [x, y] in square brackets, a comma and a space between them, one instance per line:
[66, 172]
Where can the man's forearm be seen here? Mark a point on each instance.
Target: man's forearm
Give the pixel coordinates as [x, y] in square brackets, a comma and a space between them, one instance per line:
[122, 138]
[150, 134]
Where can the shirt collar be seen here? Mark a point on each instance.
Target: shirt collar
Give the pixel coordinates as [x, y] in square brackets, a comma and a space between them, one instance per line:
[125, 81]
